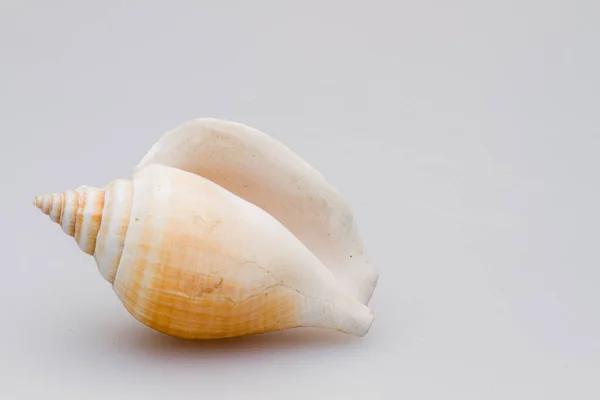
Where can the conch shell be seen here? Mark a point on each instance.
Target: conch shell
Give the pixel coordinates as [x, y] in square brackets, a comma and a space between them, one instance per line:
[220, 232]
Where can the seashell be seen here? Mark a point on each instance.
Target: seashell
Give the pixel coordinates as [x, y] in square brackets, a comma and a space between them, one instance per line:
[263, 171]
[191, 259]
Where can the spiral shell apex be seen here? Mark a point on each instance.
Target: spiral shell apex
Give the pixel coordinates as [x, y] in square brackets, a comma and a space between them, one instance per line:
[96, 218]
[78, 212]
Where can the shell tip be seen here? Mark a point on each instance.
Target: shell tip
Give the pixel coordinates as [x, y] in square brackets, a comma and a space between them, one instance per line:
[44, 203]
[38, 201]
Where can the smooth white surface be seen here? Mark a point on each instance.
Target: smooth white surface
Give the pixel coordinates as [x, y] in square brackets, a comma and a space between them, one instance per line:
[464, 134]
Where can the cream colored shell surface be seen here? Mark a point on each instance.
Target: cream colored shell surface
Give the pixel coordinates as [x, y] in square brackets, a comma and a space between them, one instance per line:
[220, 232]
[199, 262]
[260, 169]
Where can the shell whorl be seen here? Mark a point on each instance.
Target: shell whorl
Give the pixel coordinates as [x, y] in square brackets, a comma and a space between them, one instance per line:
[78, 212]
[96, 218]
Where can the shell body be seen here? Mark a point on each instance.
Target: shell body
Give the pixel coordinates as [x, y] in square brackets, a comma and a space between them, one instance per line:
[190, 259]
[261, 170]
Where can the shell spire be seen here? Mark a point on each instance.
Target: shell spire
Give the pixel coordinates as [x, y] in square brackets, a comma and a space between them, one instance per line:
[78, 212]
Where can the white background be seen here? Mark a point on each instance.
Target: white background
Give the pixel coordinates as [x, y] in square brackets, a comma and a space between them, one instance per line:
[465, 135]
